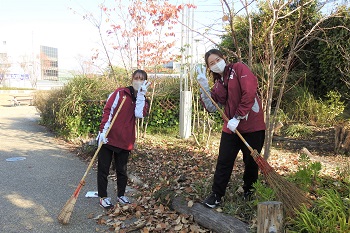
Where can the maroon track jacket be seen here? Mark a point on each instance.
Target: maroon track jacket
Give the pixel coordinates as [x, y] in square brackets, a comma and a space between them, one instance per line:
[237, 91]
[122, 133]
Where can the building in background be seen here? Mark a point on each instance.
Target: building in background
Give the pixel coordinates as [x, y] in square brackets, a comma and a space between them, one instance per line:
[37, 69]
[48, 63]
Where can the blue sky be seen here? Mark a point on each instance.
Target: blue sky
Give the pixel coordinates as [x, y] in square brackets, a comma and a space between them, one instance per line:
[30, 23]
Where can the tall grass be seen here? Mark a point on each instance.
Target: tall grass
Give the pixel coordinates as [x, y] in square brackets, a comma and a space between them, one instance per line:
[301, 106]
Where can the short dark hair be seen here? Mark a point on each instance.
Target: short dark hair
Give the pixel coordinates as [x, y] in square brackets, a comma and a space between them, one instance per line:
[142, 72]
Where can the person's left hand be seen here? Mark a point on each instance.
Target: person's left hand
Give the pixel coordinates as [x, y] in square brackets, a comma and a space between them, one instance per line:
[143, 88]
[101, 138]
[232, 124]
[202, 79]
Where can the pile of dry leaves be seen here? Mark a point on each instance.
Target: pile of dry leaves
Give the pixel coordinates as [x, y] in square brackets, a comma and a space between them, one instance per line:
[163, 167]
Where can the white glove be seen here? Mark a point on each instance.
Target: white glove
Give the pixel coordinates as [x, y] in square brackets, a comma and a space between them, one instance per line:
[202, 79]
[232, 124]
[101, 137]
[143, 88]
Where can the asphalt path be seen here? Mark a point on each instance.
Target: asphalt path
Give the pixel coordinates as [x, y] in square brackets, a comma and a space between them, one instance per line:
[34, 190]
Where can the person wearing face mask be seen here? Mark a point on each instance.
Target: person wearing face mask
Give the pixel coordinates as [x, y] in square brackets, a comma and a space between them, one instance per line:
[121, 137]
[236, 89]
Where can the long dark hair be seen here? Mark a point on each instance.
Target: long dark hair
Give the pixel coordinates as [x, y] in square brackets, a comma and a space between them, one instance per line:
[206, 56]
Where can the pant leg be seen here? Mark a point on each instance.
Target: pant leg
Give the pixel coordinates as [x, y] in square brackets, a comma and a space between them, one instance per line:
[228, 150]
[104, 163]
[121, 161]
[256, 141]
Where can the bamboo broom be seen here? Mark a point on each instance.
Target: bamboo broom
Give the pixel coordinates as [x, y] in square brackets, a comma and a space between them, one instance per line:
[66, 211]
[288, 193]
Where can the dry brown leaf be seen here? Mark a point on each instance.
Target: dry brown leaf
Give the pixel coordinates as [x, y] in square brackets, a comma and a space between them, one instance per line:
[178, 227]
[184, 220]
[101, 221]
[190, 203]
[194, 228]
[161, 207]
[98, 217]
[178, 220]
[90, 215]
[138, 214]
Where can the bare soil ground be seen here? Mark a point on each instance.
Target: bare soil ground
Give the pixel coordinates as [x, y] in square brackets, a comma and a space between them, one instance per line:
[321, 146]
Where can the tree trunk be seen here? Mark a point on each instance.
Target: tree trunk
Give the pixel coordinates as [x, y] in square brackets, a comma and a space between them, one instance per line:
[270, 217]
[342, 138]
[209, 218]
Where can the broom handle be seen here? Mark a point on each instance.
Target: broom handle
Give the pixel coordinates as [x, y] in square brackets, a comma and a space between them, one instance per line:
[225, 117]
[100, 145]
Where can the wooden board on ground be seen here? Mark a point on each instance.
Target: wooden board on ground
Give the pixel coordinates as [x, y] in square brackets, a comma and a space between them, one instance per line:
[210, 218]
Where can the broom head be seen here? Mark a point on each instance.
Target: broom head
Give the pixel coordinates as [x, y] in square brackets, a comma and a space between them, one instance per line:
[288, 193]
[64, 216]
[67, 210]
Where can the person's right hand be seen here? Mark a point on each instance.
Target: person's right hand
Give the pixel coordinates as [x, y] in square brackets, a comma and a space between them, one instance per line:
[102, 138]
[233, 124]
[202, 79]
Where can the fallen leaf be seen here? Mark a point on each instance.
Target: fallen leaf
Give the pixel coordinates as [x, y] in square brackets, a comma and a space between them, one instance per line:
[190, 203]
[178, 227]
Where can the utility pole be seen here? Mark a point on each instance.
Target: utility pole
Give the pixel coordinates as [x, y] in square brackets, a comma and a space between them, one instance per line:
[186, 75]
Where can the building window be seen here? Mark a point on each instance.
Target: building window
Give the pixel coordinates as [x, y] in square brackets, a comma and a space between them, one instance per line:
[49, 63]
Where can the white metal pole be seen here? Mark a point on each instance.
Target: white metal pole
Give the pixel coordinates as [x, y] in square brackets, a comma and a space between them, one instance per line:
[185, 93]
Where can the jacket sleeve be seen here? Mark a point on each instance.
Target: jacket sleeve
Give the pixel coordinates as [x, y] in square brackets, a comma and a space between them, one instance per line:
[218, 94]
[249, 84]
[206, 102]
[142, 106]
[108, 110]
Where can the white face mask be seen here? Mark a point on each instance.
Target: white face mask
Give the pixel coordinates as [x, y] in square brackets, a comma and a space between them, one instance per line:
[136, 84]
[219, 67]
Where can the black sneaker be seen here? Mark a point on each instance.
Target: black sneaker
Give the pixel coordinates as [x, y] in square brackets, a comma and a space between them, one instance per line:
[247, 196]
[212, 201]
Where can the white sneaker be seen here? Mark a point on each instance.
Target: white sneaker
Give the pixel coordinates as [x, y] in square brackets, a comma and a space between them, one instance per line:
[124, 200]
[106, 203]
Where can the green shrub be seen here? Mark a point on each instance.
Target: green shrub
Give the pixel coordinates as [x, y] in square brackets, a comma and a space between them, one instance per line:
[297, 131]
[307, 173]
[263, 193]
[75, 110]
[331, 213]
[301, 106]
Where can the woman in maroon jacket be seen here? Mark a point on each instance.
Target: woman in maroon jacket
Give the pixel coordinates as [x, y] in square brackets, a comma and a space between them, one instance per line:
[235, 88]
[121, 138]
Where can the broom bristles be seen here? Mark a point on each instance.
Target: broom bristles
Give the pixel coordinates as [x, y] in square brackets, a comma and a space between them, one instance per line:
[288, 193]
[67, 210]
[64, 216]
